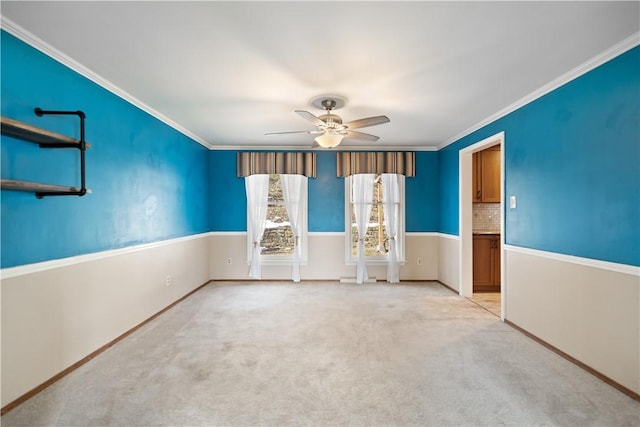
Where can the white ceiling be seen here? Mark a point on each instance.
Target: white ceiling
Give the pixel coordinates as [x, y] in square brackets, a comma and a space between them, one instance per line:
[228, 72]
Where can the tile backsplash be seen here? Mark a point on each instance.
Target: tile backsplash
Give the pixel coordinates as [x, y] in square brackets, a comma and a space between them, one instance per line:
[486, 217]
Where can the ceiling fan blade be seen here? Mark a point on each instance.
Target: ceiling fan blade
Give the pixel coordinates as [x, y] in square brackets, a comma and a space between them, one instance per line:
[369, 121]
[360, 135]
[310, 117]
[295, 131]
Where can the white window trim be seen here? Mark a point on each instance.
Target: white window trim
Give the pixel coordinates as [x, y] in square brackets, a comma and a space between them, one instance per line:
[286, 260]
[349, 258]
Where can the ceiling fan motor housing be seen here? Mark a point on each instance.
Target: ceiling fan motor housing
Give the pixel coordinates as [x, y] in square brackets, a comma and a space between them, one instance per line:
[331, 118]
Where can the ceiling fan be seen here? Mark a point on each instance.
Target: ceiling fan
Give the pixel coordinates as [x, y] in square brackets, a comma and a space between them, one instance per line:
[330, 126]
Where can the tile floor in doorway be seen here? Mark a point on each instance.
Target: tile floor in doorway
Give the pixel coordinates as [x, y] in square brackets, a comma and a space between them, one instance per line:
[489, 300]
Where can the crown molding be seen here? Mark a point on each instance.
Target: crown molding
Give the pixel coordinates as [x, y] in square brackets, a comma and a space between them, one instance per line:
[39, 44]
[44, 47]
[607, 55]
[319, 149]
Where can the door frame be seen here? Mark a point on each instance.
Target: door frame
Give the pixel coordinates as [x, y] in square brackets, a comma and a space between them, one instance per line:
[465, 216]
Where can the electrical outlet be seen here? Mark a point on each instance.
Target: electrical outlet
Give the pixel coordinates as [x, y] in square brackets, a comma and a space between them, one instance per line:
[167, 280]
[419, 261]
[228, 261]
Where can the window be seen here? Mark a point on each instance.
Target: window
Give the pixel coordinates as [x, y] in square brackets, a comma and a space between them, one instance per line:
[278, 239]
[376, 240]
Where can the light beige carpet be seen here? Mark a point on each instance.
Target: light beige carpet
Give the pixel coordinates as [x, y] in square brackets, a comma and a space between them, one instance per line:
[322, 354]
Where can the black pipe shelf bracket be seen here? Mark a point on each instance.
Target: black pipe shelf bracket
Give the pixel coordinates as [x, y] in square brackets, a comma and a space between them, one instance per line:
[47, 139]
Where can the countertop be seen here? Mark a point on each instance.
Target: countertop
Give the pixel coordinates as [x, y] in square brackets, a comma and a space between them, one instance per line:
[485, 232]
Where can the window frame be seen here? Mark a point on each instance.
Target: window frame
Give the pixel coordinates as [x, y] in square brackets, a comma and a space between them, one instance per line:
[284, 259]
[351, 259]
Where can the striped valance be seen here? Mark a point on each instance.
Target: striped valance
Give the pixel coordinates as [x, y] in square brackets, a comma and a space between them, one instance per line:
[277, 162]
[400, 162]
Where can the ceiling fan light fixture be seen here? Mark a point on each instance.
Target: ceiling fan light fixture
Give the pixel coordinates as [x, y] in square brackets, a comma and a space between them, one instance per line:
[330, 125]
[329, 139]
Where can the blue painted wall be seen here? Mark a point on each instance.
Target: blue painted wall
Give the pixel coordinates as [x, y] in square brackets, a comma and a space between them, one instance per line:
[421, 194]
[326, 194]
[572, 158]
[149, 181]
[226, 193]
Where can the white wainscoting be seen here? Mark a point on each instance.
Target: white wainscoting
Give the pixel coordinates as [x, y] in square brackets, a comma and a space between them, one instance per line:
[326, 260]
[54, 314]
[58, 312]
[449, 260]
[588, 309]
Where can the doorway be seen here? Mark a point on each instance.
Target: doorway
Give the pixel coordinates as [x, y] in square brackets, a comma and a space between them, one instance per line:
[466, 226]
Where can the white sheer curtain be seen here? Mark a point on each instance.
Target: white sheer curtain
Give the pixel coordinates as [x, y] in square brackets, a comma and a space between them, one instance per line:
[257, 188]
[362, 196]
[391, 202]
[294, 192]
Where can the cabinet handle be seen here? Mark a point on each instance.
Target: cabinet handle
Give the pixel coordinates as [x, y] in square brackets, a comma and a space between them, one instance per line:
[478, 195]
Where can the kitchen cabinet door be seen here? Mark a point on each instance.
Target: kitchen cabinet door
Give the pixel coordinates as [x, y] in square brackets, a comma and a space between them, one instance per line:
[490, 175]
[476, 189]
[486, 262]
[482, 262]
[486, 176]
[496, 262]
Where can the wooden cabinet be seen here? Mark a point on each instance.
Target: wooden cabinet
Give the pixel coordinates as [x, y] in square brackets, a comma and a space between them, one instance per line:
[486, 175]
[476, 190]
[486, 262]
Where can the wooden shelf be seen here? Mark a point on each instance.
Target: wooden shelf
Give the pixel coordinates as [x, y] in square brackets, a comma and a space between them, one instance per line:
[46, 139]
[37, 135]
[10, 184]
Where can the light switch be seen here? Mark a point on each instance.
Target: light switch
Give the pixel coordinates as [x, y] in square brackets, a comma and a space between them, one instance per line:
[512, 202]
